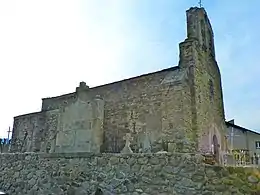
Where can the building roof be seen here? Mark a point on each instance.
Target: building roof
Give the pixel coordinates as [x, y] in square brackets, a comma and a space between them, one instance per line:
[230, 124]
[128, 79]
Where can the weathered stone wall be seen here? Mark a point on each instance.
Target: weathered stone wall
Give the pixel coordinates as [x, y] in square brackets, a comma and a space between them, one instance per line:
[158, 103]
[80, 126]
[82, 173]
[27, 131]
[57, 102]
[197, 53]
[34, 132]
[154, 103]
[75, 126]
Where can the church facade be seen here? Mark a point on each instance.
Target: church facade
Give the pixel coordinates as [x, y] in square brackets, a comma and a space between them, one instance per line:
[179, 109]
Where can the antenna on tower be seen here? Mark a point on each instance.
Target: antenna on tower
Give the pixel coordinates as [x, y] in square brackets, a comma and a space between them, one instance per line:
[200, 3]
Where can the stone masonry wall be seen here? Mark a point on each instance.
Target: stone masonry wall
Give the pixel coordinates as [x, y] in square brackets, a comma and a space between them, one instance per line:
[57, 102]
[158, 103]
[197, 53]
[208, 103]
[147, 104]
[34, 132]
[209, 99]
[27, 130]
[149, 174]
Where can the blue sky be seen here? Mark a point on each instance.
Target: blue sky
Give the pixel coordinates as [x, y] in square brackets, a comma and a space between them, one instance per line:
[48, 47]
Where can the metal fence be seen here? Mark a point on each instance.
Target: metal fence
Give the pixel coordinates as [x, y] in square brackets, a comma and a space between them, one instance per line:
[241, 159]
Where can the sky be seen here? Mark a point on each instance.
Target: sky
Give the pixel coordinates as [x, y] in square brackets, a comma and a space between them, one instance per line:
[48, 47]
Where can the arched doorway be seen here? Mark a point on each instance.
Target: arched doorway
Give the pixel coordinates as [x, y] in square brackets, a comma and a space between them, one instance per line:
[215, 148]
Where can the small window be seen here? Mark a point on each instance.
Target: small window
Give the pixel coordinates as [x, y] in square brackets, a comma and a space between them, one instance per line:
[211, 90]
[257, 144]
[203, 34]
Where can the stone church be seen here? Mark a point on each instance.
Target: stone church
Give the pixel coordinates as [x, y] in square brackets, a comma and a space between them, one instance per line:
[178, 109]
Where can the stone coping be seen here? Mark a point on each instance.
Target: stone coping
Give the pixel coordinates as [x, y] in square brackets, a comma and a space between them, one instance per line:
[90, 154]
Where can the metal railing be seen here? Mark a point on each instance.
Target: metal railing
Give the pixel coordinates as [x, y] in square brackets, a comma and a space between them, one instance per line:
[241, 158]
